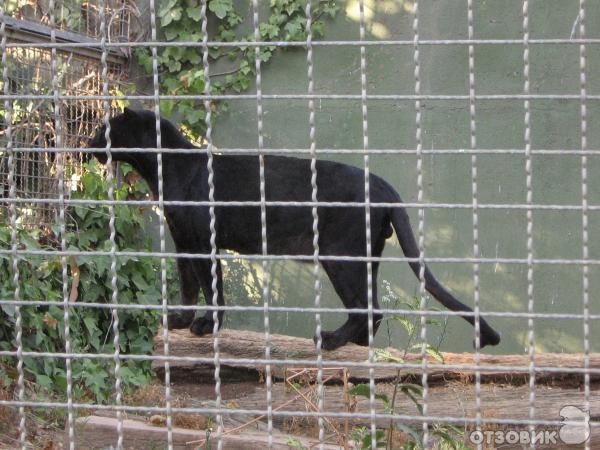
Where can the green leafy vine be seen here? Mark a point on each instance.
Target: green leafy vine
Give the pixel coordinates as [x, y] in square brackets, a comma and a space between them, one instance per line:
[89, 281]
[181, 70]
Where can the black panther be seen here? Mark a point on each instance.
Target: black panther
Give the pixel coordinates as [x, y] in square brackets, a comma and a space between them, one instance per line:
[289, 228]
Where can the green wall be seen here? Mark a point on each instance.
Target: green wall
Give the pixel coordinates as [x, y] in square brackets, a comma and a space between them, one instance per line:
[555, 124]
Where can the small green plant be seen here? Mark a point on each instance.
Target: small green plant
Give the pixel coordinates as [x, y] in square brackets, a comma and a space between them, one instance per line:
[363, 438]
[293, 442]
[207, 443]
[446, 436]
[90, 280]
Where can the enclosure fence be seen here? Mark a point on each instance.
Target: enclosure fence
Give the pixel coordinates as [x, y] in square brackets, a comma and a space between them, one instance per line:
[31, 70]
[55, 95]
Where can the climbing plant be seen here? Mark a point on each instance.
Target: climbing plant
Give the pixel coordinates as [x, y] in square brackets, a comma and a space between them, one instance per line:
[89, 280]
[181, 69]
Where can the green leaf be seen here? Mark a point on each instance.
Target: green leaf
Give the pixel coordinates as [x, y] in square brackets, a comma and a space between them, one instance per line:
[414, 393]
[331, 9]
[194, 13]
[80, 211]
[174, 65]
[139, 281]
[188, 36]
[195, 115]
[449, 439]
[44, 381]
[144, 59]
[386, 356]
[293, 442]
[245, 67]
[318, 28]
[435, 354]
[367, 442]
[166, 7]
[30, 241]
[268, 30]
[172, 84]
[166, 107]
[173, 15]
[361, 389]
[90, 324]
[193, 56]
[227, 36]
[98, 381]
[294, 30]
[171, 34]
[90, 183]
[291, 8]
[142, 344]
[415, 388]
[233, 19]
[265, 54]
[220, 7]
[433, 322]
[406, 324]
[85, 238]
[9, 310]
[411, 431]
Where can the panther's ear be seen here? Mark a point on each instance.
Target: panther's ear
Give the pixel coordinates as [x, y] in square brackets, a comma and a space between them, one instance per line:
[130, 113]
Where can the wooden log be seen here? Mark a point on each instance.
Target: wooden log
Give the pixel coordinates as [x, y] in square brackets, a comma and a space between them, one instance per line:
[452, 400]
[455, 400]
[95, 432]
[234, 344]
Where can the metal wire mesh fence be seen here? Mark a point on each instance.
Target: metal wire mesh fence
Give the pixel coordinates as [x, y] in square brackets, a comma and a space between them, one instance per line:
[79, 17]
[55, 100]
[32, 71]
[29, 71]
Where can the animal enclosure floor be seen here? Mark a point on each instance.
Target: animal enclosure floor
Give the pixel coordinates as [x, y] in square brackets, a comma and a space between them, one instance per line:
[504, 391]
[499, 401]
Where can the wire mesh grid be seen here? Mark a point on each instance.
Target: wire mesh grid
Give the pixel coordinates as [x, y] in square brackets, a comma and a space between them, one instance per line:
[84, 110]
[78, 16]
[29, 71]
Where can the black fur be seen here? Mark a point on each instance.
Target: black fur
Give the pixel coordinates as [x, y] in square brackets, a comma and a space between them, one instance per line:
[289, 228]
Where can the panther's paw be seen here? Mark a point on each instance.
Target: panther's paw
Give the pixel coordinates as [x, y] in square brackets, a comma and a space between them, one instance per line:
[330, 340]
[361, 339]
[489, 338]
[202, 325]
[177, 321]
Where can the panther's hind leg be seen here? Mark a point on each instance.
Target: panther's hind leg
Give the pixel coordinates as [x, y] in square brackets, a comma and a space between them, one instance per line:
[349, 279]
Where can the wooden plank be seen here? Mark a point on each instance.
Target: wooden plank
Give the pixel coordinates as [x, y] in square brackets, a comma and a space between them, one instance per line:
[97, 432]
[234, 344]
[28, 31]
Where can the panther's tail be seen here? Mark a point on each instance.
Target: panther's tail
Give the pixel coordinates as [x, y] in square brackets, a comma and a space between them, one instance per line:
[400, 220]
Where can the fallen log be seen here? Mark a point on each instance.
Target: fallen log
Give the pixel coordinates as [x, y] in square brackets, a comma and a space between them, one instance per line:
[98, 432]
[456, 400]
[242, 356]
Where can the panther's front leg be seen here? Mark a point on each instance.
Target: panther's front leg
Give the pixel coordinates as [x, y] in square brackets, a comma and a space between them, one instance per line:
[190, 286]
[205, 324]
